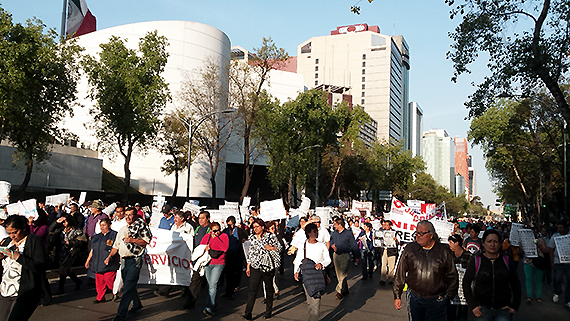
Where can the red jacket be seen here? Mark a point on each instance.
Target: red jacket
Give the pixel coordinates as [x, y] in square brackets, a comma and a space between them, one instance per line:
[220, 243]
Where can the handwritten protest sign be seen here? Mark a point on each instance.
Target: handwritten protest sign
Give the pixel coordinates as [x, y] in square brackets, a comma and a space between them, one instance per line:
[362, 206]
[526, 238]
[514, 236]
[325, 214]
[563, 248]
[305, 204]
[246, 201]
[4, 192]
[26, 208]
[272, 210]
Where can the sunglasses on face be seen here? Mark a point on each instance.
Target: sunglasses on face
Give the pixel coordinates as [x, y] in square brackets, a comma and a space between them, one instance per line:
[421, 233]
[215, 231]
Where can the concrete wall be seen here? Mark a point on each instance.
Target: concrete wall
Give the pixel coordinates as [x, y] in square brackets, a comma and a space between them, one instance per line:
[67, 168]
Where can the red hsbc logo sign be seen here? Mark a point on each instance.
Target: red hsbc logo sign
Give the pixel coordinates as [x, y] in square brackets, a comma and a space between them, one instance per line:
[352, 28]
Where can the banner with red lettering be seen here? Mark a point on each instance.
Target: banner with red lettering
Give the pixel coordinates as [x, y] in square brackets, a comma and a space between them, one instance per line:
[167, 259]
[404, 220]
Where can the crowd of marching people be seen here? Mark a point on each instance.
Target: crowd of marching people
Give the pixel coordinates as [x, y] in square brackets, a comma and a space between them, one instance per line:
[470, 274]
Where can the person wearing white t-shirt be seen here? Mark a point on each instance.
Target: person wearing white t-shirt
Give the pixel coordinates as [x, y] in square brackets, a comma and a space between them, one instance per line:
[319, 254]
[560, 270]
[299, 237]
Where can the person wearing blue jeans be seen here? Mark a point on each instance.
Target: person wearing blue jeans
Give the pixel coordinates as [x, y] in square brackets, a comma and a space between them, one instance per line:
[212, 273]
[426, 308]
[130, 274]
[366, 250]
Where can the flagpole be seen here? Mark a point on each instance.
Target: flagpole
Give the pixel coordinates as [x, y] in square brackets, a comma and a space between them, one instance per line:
[63, 17]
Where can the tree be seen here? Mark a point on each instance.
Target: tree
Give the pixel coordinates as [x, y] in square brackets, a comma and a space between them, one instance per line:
[130, 93]
[246, 90]
[292, 133]
[174, 143]
[37, 87]
[525, 59]
[204, 97]
[521, 141]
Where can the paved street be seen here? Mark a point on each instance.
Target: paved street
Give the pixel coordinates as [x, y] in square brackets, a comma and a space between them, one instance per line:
[367, 301]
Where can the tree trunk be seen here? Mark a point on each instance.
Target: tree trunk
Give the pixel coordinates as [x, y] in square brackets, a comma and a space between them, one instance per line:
[127, 170]
[213, 184]
[247, 168]
[175, 184]
[29, 168]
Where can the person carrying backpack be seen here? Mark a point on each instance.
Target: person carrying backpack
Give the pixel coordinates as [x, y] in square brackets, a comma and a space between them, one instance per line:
[491, 285]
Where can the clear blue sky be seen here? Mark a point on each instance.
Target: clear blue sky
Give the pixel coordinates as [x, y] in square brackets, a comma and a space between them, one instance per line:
[425, 25]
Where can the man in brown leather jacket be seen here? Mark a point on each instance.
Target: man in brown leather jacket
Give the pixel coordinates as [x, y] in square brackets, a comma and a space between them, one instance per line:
[431, 275]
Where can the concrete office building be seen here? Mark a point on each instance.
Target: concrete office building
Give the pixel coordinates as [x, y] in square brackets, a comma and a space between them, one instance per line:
[415, 141]
[438, 155]
[375, 67]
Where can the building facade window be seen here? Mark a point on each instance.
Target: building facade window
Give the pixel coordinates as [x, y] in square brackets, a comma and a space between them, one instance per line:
[316, 82]
[363, 94]
[316, 75]
[362, 101]
[363, 86]
[316, 68]
[316, 60]
[363, 78]
[363, 56]
[364, 64]
[363, 71]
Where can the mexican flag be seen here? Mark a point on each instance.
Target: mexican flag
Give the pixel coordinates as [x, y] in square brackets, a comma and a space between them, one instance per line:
[79, 19]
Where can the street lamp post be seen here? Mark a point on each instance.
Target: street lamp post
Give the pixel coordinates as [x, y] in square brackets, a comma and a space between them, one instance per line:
[191, 131]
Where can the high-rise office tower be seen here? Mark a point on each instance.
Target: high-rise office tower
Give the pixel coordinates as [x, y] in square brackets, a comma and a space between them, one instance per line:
[461, 163]
[374, 66]
[438, 155]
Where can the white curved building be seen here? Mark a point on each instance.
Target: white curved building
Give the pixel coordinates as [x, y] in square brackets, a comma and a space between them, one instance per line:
[190, 43]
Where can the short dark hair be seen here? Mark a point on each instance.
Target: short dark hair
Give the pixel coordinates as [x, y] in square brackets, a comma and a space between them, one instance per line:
[476, 228]
[17, 222]
[456, 239]
[339, 220]
[106, 220]
[231, 218]
[205, 213]
[494, 232]
[309, 228]
[130, 208]
[563, 223]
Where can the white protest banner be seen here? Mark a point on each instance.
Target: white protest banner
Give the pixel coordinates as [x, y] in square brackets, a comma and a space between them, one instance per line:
[55, 200]
[192, 208]
[514, 236]
[404, 225]
[526, 237]
[229, 210]
[216, 216]
[563, 248]
[389, 241]
[443, 228]
[272, 210]
[82, 197]
[362, 206]
[400, 208]
[167, 259]
[246, 201]
[13, 209]
[244, 213]
[305, 204]
[156, 207]
[4, 192]
[376, 224]
[232, 204]
[29, 208]
[460, 297]
[325, 214]
[415, 205]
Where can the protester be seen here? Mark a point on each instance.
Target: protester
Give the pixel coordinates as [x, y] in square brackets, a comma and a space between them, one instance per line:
[23, 270]
[270, 227]
[167, 220]
[101, 246]
[560, 270]
[39, 227]
[71, 242]
[92, 225]
[491, 285]
[461, 258]
[118, 219]
[311, 260]
[234, 256]
[366, 250]
[473, 242]
[196, 280]
[262, 261]
[130, 243]
[217, 244]
[534, 268]
[389, 254]
[77, 215]
[299, 236]
[342, 243]
[180, 225]
[427, 266]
